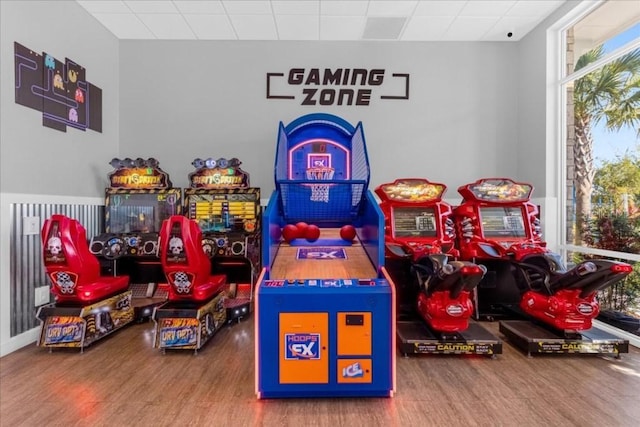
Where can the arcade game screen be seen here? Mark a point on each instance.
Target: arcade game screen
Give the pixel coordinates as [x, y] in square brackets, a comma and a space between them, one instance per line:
[414, 222]
[224, 212]
[502, 222]
[140, 212]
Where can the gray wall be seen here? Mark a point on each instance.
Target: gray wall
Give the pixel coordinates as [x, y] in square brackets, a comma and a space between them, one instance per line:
[185, 99]
[38, 160]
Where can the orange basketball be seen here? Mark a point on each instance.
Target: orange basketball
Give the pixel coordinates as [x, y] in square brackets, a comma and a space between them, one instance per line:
[348, 233]
[313, 233]
[290, 232]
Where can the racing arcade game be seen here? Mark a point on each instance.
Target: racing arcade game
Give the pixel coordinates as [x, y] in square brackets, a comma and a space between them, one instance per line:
[434, 288]
[195, 308]
[499, 227]
[87, 306]
[139, 199]
[228, 212]
[325, 306]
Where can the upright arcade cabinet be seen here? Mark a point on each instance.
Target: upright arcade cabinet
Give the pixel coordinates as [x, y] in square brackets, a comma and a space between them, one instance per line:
[434, 287]
[228, 212]
[88, 306]
[139, 199]
[499, 227]
[195, 308]
[325, 306]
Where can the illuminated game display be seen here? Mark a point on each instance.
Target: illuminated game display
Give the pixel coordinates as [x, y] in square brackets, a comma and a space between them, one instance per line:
[499, 227]
[227, 211]
[325, 305]
[434, 288]
[140, 197]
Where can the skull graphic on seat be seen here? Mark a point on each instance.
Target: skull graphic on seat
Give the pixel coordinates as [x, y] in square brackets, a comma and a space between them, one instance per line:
[54, 245]
[176, 246]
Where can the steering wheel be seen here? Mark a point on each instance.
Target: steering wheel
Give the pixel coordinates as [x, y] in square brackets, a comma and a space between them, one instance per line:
[114, 248]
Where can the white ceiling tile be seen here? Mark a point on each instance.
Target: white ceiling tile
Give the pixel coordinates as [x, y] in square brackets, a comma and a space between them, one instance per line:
[166, 26]
[439, 8]
[486, 8]
[539, 8]
[297, 27]
[149, 6]
[243, 7]
[517, 25]
[210, 27]
[341, 27]
[344, 8]
[124, 26]
[105, 6]
[254, 27]
[429, 28]
[210, 7]
[391, 8]
[466, 28]
[296, 7]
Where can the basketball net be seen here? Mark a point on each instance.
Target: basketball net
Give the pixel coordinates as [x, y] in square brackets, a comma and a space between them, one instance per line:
[320, 192]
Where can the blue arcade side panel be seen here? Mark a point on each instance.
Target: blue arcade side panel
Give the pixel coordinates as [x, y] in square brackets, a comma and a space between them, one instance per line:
[325, 338]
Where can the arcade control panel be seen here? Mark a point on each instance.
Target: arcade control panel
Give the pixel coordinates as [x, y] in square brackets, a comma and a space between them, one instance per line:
[113, 246]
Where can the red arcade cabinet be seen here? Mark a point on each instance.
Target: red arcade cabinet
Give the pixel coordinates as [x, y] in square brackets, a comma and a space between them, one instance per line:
[228, 212]
[499, 227]
[434, 288]
[195, 310]
[88, 306]
[140, 197]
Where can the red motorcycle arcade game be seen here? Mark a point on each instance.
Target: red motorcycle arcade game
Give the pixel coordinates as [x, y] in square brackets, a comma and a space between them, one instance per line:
[499, 227]
[195, 310]
[228, 211]
[325, 306]
[139, 199]
[87, 306]
[434, 288]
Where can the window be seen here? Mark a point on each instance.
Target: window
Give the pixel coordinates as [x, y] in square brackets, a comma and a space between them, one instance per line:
[601, 203]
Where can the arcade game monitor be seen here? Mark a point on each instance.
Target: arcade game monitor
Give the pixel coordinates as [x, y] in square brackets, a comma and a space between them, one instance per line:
[434, 288]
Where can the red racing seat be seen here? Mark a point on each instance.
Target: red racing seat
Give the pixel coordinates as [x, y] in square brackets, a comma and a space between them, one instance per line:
[72, 268]
[186, 265]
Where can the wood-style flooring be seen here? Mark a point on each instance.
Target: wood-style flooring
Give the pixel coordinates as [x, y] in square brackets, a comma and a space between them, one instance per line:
[122, 381]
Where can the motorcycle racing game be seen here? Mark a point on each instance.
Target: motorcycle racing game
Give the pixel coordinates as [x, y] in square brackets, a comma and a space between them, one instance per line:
[434, 288]
[498, 226]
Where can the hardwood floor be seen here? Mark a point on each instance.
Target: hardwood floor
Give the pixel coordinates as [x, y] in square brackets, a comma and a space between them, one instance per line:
[123, 381]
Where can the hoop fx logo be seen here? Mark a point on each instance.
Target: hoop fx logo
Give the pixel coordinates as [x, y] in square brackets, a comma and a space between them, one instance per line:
[302, 346]
[321, 253]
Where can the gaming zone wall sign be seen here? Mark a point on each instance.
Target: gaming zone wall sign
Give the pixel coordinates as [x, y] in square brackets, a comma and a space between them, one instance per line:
[60, 90]
[337, 86]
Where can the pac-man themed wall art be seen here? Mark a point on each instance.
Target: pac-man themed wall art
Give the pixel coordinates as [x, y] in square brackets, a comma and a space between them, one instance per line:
[60, 90]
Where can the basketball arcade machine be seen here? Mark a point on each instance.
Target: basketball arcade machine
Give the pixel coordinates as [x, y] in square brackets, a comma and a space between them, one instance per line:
[324, 313]
[228, 211]
[434, 288]
[499, 227]
[139, 199]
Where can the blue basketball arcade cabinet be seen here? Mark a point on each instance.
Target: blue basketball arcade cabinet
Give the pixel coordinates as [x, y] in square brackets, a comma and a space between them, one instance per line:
[325, 307]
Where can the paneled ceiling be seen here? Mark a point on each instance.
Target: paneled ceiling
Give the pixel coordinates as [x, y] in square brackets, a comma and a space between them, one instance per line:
[396, 20]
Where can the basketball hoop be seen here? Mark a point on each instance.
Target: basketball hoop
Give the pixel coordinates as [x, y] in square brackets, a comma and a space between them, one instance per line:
[320, 192]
